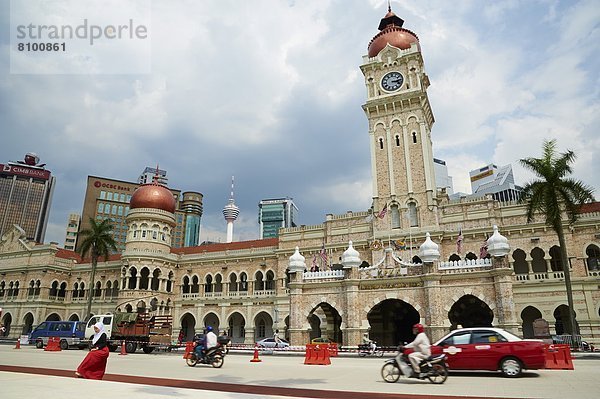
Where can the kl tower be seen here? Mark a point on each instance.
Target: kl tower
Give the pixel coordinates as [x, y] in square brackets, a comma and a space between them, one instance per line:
[231, 213]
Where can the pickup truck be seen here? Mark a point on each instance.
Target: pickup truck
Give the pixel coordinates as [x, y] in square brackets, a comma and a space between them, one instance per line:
[135, 330]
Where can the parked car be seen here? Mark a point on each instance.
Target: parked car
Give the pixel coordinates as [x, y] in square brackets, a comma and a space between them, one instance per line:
[483, 348]
[320, 340]
[70, 333]
[270, 343]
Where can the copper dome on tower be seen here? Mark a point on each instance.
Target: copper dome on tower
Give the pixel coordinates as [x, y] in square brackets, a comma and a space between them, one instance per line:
[393, 33]
[153, 195]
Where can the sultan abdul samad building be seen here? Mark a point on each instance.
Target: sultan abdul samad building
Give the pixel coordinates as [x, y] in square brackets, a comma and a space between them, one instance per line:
[400, 269]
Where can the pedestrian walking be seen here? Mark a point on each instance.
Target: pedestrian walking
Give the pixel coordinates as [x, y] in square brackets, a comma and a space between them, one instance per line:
[93, 366]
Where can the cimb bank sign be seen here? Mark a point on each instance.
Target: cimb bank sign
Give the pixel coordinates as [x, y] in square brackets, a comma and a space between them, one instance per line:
[80, 37]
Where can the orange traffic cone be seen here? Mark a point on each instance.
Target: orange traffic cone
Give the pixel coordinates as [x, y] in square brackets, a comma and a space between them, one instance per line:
[255, 359]
[18, 345]
[123, 352]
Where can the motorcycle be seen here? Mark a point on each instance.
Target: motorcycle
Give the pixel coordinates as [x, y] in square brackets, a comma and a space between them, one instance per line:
[366, 350]
[434, 367]
[214, 356]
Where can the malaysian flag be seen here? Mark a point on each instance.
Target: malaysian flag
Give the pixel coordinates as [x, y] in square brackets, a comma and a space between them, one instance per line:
[314, 264]
[382, 213]
[459, 241]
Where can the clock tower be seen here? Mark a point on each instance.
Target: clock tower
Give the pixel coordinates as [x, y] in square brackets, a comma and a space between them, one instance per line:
[400, 121]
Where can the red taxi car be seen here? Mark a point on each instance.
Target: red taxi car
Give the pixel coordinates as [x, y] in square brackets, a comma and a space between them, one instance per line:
[487, 348]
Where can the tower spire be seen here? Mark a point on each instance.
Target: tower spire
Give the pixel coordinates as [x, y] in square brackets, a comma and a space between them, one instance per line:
[231, 213]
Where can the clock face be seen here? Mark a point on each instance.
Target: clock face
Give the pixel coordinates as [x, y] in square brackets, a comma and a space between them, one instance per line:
[392, 81]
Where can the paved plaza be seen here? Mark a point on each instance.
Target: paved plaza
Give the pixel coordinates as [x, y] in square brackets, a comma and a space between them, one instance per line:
[166, 375]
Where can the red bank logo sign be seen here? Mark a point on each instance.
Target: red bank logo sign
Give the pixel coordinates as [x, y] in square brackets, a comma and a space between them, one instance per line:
[99, 184]
[25, 171]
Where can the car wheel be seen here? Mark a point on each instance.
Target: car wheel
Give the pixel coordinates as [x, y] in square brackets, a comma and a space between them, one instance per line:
[64, 345]
[390, 373]
[39, 344]
[511, 367]
[438, 374]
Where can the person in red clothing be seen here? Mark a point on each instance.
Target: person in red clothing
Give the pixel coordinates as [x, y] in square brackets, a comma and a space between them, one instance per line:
[93, 366]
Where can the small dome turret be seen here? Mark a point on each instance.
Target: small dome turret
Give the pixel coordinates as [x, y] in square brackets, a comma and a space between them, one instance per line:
[351, 257]
[429, 250]
[297, 262]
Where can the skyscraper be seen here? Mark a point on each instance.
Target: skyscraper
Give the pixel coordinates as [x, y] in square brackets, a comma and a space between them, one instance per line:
[26, 189]
[442, 180]
[149, 173]
[499, 182]
[72, 231]
[274, 214]
[191, 206]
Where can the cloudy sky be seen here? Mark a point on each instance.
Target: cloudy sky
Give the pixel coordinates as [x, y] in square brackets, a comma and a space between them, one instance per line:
[270, 91]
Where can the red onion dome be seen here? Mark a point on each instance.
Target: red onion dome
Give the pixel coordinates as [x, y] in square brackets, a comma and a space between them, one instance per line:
[154, 196]
[393, 33]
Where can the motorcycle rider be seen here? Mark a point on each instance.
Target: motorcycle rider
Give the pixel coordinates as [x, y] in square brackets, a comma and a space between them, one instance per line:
[367, 341]
[422, 349]
[210, 341]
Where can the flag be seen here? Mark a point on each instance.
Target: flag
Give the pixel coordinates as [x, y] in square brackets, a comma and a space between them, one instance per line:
[382, 213]
[459, 241]
[483, 251]
[314, 264]
[399, 245]
[323, 255]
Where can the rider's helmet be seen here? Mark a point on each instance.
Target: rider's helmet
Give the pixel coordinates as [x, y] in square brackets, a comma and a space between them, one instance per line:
[419, 327]
[209, 329]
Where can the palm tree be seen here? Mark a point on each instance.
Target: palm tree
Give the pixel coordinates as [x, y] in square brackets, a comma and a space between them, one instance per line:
[552, 195]
[97, 241]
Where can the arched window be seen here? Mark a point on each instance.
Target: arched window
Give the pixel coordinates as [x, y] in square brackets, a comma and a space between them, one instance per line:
[132, 278]
[98, 290]
[62, 292]
[381, 143]
[233, 286]
[270, 283]
[169, 282]
[471, 256]
[186, 285]
[259, 284]
[30, 290]
[556, 260]
[108, 289]
[454, 258]
[218, 283]
[413, 219]
[414, 137]
[115, 288]
[195, 285]
[208, 286]
[54, 288]
[395, 215]
[243, 282]
[82, 290]
[397, 141]
[593, 257]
